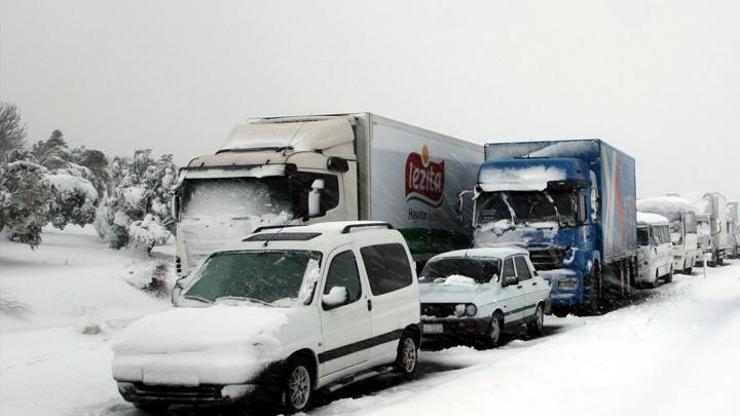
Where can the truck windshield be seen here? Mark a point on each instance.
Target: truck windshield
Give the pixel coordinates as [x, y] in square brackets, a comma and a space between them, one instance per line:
[236, 197]
[529, 208]
[482, 271]
[273, 277]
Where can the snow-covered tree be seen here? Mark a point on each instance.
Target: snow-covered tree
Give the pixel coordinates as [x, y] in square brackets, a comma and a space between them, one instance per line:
[25, 201]
[134, 212]
[12, 131]
[72, 200]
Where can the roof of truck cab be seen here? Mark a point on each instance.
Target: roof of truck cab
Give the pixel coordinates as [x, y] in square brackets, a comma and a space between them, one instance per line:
[645, 218]
[495, 252]
[315, 237]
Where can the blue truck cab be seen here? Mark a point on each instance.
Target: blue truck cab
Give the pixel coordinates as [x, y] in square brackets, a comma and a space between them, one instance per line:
[571, 204]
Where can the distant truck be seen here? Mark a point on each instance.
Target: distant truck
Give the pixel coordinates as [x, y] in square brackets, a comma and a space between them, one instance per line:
[714, 205]
[682, 217]
[571, 204]
[733, 229]
[311, 169]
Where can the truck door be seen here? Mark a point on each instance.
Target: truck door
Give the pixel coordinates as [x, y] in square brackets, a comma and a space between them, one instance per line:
[346, 325]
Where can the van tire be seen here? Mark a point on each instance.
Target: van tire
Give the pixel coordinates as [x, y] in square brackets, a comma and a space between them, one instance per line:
[536, 326]
[669, 277]
[407, 356]
[297, 386]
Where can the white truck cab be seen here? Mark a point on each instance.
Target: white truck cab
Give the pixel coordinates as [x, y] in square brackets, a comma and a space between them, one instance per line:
[475, 294]
[654, 256]
[284, 312]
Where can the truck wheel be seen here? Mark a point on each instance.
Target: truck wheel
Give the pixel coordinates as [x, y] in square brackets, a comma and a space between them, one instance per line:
[591, 297]
[152, 408]
[689, 270]
[407, 356]
[297, 386]
[535, 327]
[560, 312]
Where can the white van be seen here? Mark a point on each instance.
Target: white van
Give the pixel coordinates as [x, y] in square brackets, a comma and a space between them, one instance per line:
[285, 312]
[475, 294]
[654, 255]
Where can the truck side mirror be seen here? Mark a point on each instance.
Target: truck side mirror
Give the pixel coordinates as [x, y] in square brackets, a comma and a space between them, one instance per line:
[175, 206]
[460, 208]
[314, 198]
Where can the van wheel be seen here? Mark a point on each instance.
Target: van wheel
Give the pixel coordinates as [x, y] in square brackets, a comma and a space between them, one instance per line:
[535, 327]
[297, 387]
[654, 283]
[689, 271]
[407, 356]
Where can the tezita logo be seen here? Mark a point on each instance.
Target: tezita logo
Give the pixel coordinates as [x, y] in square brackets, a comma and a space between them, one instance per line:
[425, 180]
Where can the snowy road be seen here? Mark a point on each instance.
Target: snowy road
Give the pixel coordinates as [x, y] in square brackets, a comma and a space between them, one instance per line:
[678, 352]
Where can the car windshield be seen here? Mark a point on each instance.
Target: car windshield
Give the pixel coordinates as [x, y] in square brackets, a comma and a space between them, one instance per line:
[529, 208]
[482, 271]
[260, 276]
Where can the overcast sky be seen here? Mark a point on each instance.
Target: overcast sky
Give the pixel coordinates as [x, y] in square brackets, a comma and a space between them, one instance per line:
[657, 79]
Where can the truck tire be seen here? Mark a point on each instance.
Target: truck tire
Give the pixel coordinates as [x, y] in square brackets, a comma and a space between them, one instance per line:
[591, 292]
[536, 326]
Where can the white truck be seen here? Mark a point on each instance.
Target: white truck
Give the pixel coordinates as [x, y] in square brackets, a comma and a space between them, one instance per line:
[682, 217]
[310, 169]
[713, 205]
[733, 229]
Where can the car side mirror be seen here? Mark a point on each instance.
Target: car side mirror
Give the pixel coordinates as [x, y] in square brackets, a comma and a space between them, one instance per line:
[336, 297]
[510, 280]
[314, 198]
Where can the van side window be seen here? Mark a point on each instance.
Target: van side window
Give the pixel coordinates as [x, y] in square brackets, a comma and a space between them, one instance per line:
[343, 272]
[387, 267]
[509, 269]
[655, 236]
[522, 270]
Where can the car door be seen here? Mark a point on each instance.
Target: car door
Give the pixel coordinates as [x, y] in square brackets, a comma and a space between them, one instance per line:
[512, 295]
[345, 326]
[529, 286]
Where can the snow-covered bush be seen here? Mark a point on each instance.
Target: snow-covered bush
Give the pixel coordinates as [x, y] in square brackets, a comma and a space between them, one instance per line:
[73, 200]
[135, 210]
[25, 201]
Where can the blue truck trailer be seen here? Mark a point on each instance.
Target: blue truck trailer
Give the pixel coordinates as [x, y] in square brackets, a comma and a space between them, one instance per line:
[572, 204]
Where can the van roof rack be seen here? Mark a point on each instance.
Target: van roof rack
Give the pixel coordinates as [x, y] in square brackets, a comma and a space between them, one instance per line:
[272, 227]
[348, 228]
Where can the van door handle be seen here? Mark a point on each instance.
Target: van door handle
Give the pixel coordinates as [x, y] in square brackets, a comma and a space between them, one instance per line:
[534, 283]
[369, 305]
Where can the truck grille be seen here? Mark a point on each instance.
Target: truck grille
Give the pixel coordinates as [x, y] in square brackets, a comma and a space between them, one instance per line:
[439, 310]
[546, 258]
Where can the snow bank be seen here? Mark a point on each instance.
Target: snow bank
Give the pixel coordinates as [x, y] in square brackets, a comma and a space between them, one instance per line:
[651, 219]
[534, 178]
[219, 344]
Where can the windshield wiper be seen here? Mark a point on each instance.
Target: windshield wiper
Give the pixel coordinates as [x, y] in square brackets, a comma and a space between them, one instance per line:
[245, 299]
[198, 298]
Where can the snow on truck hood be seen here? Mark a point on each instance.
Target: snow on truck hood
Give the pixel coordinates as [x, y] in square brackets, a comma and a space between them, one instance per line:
[219, 344]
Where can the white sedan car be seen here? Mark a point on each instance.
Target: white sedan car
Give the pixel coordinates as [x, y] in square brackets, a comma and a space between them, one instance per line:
[475, 294]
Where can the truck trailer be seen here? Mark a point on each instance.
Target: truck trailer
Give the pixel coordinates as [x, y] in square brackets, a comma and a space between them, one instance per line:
[310, 169]
[714, 206]
[571, 204]
[733, 229]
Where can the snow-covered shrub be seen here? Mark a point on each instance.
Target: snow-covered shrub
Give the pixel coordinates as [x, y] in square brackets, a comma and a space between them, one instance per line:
[147, 233]
[25, 204]
[135, 212]
[73, 200]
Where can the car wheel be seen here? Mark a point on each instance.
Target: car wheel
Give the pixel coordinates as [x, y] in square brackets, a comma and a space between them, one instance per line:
[407, 356]
[152, 408]
[494, 332]
[535, 327]
[297, 387]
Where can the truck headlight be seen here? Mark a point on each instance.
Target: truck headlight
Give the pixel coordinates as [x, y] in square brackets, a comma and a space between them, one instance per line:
[568, 283]
[569, 255]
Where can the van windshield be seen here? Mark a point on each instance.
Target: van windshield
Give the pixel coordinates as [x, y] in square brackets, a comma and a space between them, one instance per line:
[482, 271]
[280, 277]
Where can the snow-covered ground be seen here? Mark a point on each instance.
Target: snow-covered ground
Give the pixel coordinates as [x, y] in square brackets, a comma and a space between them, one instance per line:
[678, 352]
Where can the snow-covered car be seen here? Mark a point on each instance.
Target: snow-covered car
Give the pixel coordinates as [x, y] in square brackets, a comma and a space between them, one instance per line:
[475, 294]
[654, 254]
[285, 312]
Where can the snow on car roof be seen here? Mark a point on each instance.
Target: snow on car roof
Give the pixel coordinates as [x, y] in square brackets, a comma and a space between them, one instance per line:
[497, 252]
[651, 219]
[662, 204]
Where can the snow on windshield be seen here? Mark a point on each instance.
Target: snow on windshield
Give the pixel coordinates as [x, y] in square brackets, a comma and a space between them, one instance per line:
[236, 197]
[532, 178]
[533, 209]
[455, 271]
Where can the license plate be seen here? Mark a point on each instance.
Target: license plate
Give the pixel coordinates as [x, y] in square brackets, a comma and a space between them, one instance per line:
[432, 328]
